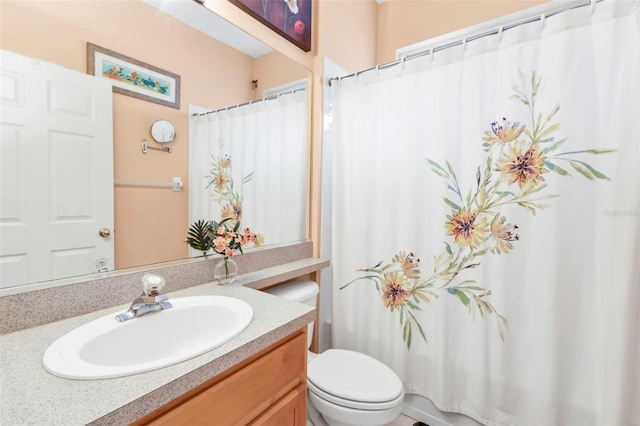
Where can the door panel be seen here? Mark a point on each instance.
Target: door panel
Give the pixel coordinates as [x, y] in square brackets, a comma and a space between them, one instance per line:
[57, 171]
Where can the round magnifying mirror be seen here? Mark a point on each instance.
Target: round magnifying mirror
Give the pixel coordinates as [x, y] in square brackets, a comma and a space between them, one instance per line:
[163, 131]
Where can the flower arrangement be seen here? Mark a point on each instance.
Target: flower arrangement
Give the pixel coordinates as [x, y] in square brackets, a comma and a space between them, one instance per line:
[222, 237]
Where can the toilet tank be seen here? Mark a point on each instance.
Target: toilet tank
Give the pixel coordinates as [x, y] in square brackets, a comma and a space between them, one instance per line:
[301, 291]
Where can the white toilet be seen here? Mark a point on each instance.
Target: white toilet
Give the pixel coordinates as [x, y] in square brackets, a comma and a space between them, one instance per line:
[345, 387]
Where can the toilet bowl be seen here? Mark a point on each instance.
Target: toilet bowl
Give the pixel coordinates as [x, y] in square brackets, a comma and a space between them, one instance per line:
[345, 387]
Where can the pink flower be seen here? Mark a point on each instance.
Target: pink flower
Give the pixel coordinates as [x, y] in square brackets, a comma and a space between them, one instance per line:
[220, 244]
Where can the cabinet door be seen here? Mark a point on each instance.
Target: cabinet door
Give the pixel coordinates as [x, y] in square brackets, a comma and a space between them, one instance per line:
[246, 394]
[289, 411]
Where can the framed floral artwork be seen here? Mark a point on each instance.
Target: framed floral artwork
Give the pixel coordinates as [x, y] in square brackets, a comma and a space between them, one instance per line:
[289, 18]
[134, 78]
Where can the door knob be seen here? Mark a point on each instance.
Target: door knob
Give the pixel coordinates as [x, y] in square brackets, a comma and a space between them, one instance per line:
[104, 232]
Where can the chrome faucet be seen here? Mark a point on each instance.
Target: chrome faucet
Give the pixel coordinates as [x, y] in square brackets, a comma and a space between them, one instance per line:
[151, 300]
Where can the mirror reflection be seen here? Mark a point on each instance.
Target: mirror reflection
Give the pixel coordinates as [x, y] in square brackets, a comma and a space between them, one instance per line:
[149, 218]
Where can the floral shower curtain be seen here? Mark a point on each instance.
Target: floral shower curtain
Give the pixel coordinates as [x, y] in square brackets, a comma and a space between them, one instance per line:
[252, 161]
[486, 220]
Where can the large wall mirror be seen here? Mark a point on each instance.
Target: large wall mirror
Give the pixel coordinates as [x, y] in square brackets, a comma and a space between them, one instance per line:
[219, 66]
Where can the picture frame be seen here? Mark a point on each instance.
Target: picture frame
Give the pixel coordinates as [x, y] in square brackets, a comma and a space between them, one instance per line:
[134, 78]
[289, 18]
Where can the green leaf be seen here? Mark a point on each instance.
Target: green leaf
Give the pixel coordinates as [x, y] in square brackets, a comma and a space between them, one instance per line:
[422, 297]
[454, 190]
[480, 253]
[590, 151]
[448, 248]
[599, 151]
[554, 146]
[247, 178]
[437, 169]
[472, 266]
[553, 112]
[556, 168]
[406, 333]
[549, 130]
[595, 172]
[547, 140]
[532, 187]
[534, 84]
[503, 320]
[586, 170]
[198, 235]
[373, 278]
[424, 336]
[472, 287]
[412, 305]
[482, 197]
[377, 265]
[451, 203]
[528, 133]
[451, 170]
[463, 297]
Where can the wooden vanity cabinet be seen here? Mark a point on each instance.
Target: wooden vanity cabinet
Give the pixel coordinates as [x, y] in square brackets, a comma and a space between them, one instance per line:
[268, 388]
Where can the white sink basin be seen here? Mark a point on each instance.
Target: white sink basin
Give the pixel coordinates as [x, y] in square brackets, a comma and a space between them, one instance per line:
[106, 348]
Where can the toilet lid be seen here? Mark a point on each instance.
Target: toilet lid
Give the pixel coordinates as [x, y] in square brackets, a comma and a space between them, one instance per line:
[353, 376]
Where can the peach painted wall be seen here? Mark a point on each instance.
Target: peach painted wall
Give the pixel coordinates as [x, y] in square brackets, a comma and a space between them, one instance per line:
[347, 32]
[405, 22]
[150, 223]
[272, 70]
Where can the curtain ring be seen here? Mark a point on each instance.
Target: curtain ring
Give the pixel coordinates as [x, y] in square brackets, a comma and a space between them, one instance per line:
[431, 54]
[378, 69]
[543, 19]
[592, 6]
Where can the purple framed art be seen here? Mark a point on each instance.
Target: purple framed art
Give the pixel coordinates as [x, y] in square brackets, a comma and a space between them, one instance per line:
[289, 18]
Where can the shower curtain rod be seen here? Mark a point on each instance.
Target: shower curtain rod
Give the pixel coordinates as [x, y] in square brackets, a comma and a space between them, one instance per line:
[474, 36]
[268, 98]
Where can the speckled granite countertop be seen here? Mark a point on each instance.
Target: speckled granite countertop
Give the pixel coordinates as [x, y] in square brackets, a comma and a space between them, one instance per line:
[29, 395]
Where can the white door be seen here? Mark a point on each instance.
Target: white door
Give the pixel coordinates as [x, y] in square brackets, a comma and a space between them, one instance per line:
[56, 159]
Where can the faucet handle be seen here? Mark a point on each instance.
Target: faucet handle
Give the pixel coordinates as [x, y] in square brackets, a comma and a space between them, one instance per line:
[152, 284]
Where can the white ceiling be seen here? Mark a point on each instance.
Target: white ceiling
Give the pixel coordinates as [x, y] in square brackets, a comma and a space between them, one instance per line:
[199, 17]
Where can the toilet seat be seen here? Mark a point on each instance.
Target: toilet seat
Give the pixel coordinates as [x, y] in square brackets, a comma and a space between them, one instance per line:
[354, 380]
